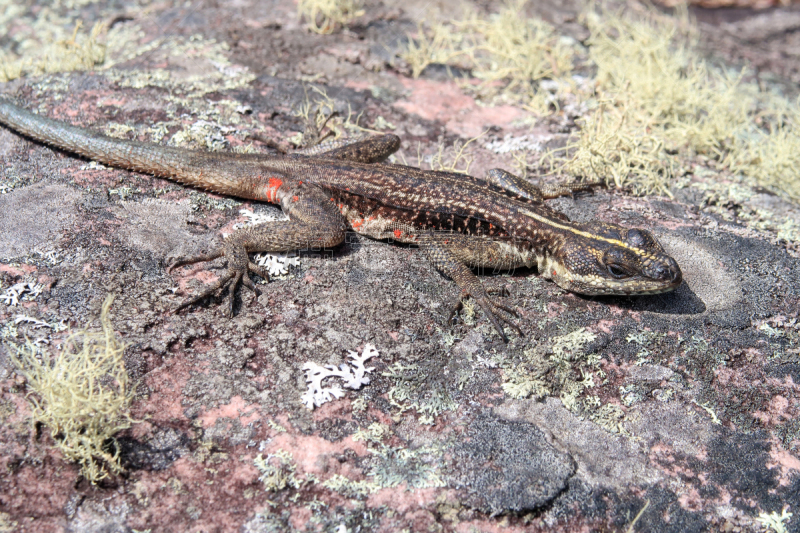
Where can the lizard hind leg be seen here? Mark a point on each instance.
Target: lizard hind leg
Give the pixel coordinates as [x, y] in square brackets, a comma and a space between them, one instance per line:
[314, 223]
[236, 273]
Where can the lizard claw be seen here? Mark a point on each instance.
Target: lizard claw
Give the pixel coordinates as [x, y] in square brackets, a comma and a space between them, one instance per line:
[235, 275]
[492, 310]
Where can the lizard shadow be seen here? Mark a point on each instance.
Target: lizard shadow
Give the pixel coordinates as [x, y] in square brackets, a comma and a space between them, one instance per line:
[681, 301]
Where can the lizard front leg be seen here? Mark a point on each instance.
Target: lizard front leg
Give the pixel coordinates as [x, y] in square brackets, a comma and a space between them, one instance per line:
[452, 253]
[314, 222]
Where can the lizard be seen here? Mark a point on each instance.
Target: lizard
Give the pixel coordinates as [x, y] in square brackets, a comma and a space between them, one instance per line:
[459, 221]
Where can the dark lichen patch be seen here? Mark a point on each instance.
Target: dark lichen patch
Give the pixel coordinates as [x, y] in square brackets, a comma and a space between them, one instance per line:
[737, 466]
[157, 453]
[508, 466]
[335, 429]
[662, 503]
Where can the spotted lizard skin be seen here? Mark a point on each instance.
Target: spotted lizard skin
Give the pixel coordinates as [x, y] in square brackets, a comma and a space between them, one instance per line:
[459, 221]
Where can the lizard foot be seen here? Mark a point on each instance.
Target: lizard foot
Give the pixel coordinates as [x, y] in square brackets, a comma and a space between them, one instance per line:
[493, 312]
[237, 272]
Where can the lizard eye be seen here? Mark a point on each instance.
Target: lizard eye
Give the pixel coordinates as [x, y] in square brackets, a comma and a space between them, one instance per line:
[617, 271]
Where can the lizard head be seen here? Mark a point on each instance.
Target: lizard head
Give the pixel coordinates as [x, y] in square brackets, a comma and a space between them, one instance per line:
[601, 258]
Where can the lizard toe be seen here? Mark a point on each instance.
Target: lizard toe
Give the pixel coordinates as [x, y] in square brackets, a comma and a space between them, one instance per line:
[493, 310]
[255, 269]
[219, 252]
[211, 289]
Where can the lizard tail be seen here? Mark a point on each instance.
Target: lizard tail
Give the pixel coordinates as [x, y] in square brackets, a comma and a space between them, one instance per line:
[185, 166]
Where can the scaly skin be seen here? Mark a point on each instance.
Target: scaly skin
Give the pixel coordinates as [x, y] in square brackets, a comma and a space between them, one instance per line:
[459, 221]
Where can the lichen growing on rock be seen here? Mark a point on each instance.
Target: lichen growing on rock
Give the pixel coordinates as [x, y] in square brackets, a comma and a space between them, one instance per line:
[82, 395]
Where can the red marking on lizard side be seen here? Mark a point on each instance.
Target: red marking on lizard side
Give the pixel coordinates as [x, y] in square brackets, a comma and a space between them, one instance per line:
[555, 273]
[272, 189]
[398, 234]
[295, 198]
[357, 223]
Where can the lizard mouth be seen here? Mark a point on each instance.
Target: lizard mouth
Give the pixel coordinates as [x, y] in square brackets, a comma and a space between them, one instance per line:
[635, 286]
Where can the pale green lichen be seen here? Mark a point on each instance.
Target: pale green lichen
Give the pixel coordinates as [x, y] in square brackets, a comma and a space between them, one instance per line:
[651, 110]
[274, 426]
[278, 471]
[565, 362]
[644, 338]
[374, 433]
[58, 53]
[508, 51]
[414, 468]
[82, 395]
[325, 16]
[414, 389]
[564, 369]
[350, 488]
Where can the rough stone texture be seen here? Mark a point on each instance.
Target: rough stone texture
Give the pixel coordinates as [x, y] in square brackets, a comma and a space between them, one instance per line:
[700, 386]
[509, 466]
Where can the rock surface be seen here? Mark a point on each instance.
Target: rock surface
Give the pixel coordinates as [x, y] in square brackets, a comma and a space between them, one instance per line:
[668, 413]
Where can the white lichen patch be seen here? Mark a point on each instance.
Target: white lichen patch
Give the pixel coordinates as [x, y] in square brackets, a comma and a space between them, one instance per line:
[774, 522]
[25, 291]
[353, 374]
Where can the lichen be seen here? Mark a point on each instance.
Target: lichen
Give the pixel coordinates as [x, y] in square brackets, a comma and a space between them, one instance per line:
[325, 16]
[650, 109]
[82, 395]
[415, 468]
[59, 53]
[350, 488]
[353, 373]
[278, 471]
[374, 433]
[775, 522]
[419, 388]
[509, 52]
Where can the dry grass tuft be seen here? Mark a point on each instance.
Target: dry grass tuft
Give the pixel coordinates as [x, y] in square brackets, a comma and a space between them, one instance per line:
[508, 52]
[652, 109]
